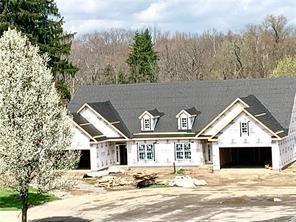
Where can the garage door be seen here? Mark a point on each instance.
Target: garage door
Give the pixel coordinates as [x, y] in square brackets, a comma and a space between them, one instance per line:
[245, 156]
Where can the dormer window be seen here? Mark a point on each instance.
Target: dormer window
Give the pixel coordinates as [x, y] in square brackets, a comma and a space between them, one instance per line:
[147, 124]
[186, 118]
[184, 123]
[149, 119]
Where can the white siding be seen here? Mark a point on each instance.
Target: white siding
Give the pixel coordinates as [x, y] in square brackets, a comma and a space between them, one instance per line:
[258, 137]
[100, 124]
[102, 155]
[230, 135]
[287, 146]
[80, 141]
[165, 154]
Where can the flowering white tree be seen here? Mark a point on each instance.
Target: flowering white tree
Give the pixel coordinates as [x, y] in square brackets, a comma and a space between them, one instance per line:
[34, 128]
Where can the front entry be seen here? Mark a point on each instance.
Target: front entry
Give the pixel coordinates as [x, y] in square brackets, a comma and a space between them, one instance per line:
[121, 154]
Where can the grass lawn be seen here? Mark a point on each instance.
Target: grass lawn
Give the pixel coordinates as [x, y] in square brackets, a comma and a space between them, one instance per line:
[9, 199]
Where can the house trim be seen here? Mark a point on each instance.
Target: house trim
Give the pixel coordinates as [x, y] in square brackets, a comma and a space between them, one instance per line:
[110, 124]
[146, 112]
[86, 133]
[159, 133]
[263, 125]
[220, 114]
[184, 111]
[250, 115]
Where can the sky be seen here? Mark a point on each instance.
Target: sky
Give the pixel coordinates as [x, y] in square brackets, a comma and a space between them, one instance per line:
[194, 16]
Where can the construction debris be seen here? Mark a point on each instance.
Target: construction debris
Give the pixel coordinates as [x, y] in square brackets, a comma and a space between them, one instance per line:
[186, 181]
[115, 170]
[144, 180]
[113, 181]
[276, 199]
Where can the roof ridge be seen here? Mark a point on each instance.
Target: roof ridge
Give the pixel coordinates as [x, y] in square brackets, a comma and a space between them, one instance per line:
[187, 81]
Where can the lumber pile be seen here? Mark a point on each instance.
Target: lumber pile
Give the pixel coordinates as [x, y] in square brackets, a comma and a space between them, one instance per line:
[144, 180]
[113, 181]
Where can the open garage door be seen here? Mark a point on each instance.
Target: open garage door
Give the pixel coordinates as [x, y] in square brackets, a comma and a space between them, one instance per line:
[240, 157]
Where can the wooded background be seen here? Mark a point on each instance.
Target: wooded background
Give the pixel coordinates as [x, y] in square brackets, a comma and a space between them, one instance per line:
[252, 53]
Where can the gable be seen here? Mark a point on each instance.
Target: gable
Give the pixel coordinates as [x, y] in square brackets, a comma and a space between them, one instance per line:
[231, 134]
[98, 123]
[79, 139]
[223, 119]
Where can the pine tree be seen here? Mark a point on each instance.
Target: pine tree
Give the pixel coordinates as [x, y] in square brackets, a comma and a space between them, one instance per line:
[41, 21]
[34, 128]
[142, 59]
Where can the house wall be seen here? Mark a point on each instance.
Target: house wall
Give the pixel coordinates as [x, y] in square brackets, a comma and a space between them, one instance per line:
[230, 137]
[165, 154]
[99, 123]
[80, 141]
[287, 147]
[102, 155]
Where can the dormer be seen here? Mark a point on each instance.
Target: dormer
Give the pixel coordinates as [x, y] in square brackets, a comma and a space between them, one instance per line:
[149, 119]
[186, 118]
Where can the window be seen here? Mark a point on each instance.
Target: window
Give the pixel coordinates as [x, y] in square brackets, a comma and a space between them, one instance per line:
[184, 123]
[244, 128]
[146, 124]
[145, 152]
[183, 151]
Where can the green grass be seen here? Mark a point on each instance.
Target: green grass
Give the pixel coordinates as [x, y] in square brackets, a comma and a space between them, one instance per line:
[9, 199]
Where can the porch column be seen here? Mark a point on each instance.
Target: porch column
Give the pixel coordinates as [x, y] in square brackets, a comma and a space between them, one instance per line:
[216, 156]
[93, 157]
[275, 152]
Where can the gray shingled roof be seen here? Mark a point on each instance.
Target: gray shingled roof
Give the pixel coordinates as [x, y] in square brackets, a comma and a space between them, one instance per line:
[264, 116]
[155, 112]
[86, 126]
[107, 110]
[192, 111]
[209, 97]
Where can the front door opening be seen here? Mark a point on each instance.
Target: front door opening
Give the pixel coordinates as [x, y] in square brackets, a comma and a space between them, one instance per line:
[240, 157]
[123, 154]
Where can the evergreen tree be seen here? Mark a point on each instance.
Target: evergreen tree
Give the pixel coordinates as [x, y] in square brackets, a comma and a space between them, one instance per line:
[142, 59]
[41, 21]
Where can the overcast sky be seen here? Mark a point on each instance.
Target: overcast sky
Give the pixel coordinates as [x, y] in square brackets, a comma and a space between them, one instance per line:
[196, 16]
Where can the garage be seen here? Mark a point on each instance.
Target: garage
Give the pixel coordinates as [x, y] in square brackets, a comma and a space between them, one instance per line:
[240, 157]
[84, 161]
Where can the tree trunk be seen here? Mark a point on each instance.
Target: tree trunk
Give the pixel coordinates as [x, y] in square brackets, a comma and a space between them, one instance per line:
[24, 198]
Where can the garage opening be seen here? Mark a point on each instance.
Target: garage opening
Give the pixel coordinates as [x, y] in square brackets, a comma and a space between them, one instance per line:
[241, 157]
[84, 161]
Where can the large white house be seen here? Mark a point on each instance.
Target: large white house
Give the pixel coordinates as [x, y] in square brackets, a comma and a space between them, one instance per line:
[230, 123]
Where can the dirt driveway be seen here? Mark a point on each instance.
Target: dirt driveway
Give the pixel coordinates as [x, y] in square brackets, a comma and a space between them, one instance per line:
[230, 196]
[171, 204]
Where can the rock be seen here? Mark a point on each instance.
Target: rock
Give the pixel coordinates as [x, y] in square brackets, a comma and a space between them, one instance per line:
[186, 181]
[115, 170]
[198, 182]
[276, 199]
